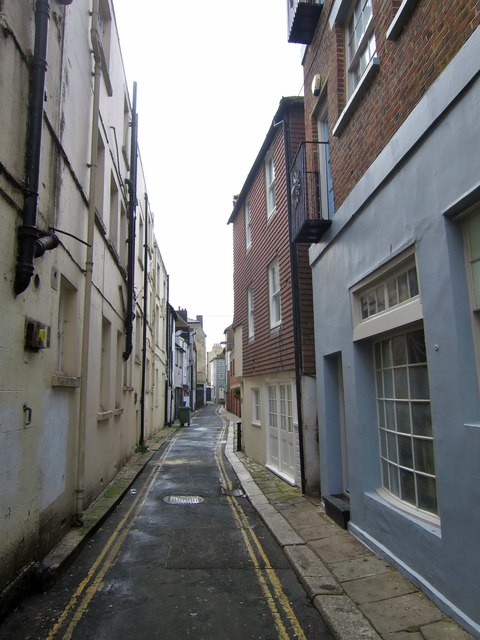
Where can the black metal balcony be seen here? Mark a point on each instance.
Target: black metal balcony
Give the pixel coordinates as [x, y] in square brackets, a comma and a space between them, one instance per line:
[303, 17]
[308, 193]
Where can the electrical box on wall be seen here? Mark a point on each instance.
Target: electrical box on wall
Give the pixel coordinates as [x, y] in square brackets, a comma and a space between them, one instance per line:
[37, 335]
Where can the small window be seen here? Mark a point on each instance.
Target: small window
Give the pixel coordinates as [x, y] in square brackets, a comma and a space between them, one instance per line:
[250, 313]
[248, 227]
[387, 299]
[390, 293]
[256, 409]
[270, 183]
[360, 42]
[274, 294]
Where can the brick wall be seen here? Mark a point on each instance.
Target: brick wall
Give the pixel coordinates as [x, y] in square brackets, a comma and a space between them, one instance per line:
[434, 33]
[271, 350]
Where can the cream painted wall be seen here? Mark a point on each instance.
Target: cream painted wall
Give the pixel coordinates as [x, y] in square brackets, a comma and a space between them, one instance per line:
[38, 459]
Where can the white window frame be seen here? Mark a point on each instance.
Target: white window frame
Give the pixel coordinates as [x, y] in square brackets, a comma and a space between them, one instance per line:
[405, 312]
[472, 262]
[404, 451]
[248, 226]
[274, 293]
[256, 407]
[270, 184]
[365, 49]
[250, 314]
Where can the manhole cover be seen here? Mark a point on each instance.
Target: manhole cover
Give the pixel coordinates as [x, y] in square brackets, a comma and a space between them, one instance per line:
[183, 499]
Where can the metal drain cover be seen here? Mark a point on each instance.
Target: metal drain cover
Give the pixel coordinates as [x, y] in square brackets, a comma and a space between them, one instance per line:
[237, 493]
[183, 499]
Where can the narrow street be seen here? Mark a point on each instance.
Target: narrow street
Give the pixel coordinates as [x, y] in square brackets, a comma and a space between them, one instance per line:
[184, 555]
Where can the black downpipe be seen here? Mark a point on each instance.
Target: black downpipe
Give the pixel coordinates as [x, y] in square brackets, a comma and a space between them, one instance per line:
[132, 205]
[145, 311]
[28, 232]
[296, 308]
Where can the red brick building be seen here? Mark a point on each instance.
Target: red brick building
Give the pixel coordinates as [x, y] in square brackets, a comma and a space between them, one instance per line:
[273, 321]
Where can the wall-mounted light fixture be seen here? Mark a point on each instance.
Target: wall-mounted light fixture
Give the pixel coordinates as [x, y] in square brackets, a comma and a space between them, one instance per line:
[316, 84]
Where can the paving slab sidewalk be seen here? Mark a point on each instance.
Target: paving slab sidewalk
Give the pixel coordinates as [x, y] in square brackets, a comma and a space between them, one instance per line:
[359, 595]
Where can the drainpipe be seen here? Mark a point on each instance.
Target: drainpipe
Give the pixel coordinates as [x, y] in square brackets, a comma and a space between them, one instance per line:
[296, 309]
[132, 205]
[145, 311]
[87, 312]
[32, 243]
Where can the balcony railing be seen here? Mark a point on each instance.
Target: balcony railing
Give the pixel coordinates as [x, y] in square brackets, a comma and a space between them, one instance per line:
[303, 17]
[309, 197]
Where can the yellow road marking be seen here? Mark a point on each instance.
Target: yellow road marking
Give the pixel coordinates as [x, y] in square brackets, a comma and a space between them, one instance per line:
[249, 535]
[115, 541]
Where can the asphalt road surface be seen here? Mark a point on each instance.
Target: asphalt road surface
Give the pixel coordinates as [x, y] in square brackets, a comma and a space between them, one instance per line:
[182, 556]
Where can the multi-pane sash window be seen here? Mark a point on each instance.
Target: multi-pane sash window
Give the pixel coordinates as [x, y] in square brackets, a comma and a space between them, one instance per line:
[274, 294]
[270, 181]
[361, 46]
[250, 312]
[404, 420]
[248, 227]
[256, 405]
[397, 289]
[286, 414]
[272, 406]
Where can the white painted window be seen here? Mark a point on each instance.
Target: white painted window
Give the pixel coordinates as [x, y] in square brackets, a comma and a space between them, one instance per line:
[248, 226]
[398, 288]
[256, 407]
[405, 421]
[270, 184]
[387, 299]
[274, 294]
[250, 313]
[272, 406]
[286, 408]
[105, 366]
[360, 42]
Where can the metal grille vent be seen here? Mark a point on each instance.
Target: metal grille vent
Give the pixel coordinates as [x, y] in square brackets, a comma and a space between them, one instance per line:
[183, 499]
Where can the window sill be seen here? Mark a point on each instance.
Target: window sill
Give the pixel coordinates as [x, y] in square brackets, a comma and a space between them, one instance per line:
[361, 88]
[429, 522]
[102, 416]
[257, 424]
[401, 18]
[60, 381]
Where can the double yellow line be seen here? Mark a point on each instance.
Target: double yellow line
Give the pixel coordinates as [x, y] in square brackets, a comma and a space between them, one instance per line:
[284, 618]
[86, 590]
[268, 580]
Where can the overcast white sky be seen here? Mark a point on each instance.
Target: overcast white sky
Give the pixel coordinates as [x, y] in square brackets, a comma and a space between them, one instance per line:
[210, 77]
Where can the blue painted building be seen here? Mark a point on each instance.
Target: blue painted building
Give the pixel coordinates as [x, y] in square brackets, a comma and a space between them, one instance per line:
[396, 285]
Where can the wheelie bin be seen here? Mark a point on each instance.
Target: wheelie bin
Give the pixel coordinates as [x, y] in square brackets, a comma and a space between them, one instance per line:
[184, 416]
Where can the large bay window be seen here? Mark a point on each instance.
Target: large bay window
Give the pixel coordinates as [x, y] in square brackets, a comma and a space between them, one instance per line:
[404, 420]
[387, 310]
